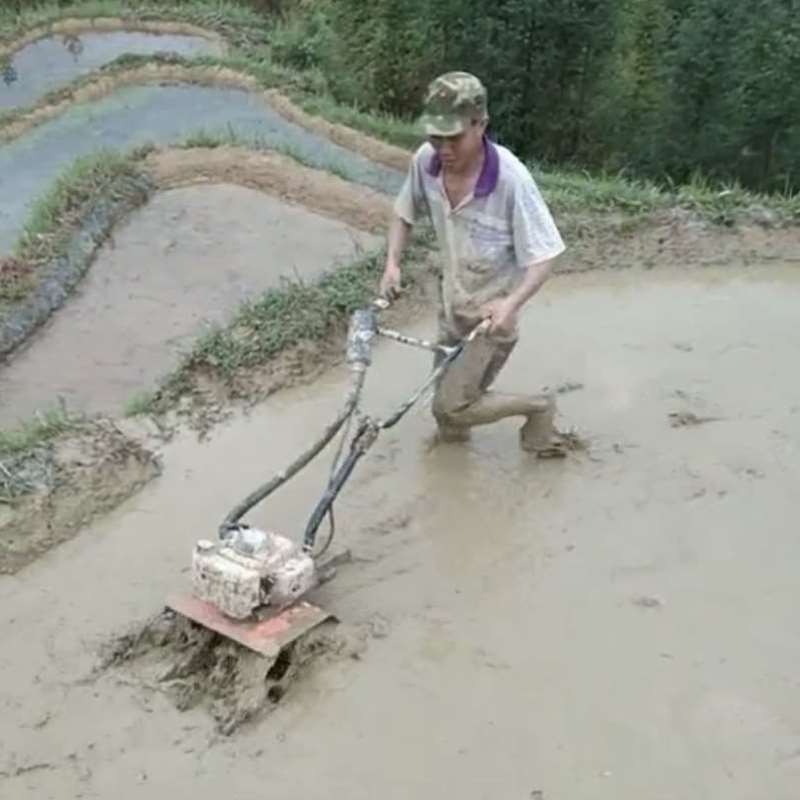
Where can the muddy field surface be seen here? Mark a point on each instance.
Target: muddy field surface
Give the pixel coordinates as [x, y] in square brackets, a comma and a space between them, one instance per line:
[182, 263]
[53, 490]
[618, 624]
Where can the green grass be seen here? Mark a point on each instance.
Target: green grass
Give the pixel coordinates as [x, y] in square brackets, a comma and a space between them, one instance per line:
[140, 403]
[230, 138]
[580, 192]
[380, 125]
[51, 220]
[38, 431]
[210, 139]
[281, 318]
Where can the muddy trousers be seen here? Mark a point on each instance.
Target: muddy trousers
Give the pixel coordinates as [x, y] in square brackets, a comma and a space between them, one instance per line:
[464, 399]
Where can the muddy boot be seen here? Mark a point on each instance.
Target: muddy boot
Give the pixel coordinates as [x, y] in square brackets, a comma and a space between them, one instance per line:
[538, 434]
[494, 406]
[452, 433]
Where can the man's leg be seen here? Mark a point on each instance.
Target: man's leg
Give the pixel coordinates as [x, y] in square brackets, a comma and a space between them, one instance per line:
[463, 399]
[456, 387]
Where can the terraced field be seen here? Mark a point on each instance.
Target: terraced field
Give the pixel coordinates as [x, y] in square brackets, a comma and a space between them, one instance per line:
[619, 624]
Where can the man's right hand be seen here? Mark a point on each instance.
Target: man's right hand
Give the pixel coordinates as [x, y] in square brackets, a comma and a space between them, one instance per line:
[390, 282]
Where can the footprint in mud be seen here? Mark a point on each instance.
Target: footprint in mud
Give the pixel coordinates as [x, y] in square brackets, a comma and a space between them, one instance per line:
[196, 667]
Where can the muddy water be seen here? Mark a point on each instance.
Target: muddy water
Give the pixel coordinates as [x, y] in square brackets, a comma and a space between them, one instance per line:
[185, 261]
[54, 61]
[617, 626]
[160, 114]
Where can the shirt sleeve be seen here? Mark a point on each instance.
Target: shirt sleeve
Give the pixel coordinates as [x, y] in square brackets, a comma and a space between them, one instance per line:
[410, 202]
[536, 237]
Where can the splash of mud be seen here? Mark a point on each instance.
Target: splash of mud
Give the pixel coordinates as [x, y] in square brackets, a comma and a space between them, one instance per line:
[195, 667]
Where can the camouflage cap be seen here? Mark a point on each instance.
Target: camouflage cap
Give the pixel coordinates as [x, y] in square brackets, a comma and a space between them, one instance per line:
[452, 100]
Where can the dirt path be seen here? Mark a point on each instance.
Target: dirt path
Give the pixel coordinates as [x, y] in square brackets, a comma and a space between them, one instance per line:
[187, 260]
[620, 625]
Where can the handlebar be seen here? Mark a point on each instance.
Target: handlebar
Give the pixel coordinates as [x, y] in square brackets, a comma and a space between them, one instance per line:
[363, 328]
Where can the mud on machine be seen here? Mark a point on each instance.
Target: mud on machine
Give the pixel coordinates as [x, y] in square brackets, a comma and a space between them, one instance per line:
[248, 585]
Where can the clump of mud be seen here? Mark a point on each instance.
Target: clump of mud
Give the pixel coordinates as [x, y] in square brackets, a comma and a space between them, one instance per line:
[50, 491]
[196, 667]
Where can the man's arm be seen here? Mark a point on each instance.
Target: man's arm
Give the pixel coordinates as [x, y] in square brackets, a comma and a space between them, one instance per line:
[407, 206]
[537, 243]
[396, 243]
[534, 279]
[503, 312]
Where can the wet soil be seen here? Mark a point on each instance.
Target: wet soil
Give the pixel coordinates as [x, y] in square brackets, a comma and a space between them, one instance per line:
[50, 492]
[617, 624]
[182, 263]
[677, 237]
[197, 668]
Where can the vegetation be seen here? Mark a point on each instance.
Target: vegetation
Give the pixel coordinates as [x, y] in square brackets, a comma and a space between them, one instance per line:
[35, 432]
[140, 403]
[675, 91]
[666, 89]
[54, 216]
[277, 320]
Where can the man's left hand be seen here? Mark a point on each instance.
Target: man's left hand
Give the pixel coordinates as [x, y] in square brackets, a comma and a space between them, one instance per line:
[502, 315]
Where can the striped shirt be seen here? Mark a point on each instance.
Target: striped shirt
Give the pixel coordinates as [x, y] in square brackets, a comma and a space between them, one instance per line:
[490, 239]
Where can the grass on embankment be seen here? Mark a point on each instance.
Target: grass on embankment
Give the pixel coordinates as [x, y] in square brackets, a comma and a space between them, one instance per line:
[53, 218]
[37, 431]
[578, 192]
[278, 320]
[18, 444]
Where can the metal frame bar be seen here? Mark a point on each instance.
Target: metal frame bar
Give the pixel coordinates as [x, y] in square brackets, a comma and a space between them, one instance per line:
[413, 341]
[368, 431]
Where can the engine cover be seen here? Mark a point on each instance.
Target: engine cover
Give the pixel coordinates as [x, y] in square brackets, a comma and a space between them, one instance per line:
[249, 569]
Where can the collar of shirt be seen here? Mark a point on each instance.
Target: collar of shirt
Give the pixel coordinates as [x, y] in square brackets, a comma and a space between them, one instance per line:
[490, 172]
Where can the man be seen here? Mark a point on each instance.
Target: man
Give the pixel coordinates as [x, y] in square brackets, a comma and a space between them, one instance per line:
[498, 242]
